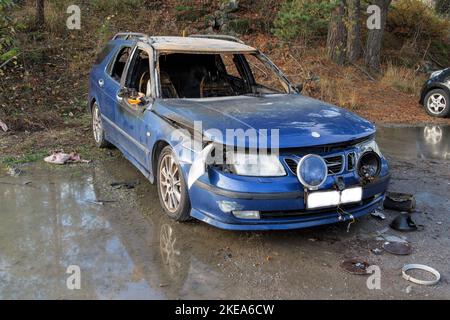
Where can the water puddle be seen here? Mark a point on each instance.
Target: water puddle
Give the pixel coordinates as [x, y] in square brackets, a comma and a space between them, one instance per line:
[52, 219]
[55, 217]
[427, 142]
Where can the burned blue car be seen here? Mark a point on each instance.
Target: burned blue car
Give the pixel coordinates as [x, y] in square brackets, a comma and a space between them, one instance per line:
[228, 139]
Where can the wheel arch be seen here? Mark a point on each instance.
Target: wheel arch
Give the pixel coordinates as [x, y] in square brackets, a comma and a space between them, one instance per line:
[157, 148]
[434, 87]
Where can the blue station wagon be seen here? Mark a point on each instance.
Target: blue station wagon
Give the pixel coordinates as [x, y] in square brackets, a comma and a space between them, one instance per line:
[228, 139]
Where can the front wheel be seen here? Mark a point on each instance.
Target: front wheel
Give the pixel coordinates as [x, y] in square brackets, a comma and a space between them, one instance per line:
[172, 189]
[437, 103]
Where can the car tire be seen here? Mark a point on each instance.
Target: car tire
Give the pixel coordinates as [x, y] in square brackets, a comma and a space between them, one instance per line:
[437, 103]
[97, 128]
[172, 188]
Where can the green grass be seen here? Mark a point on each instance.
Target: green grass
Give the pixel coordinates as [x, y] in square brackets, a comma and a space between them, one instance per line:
[32, 156]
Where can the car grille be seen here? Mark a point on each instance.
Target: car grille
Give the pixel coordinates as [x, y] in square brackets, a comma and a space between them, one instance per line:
[335, 164]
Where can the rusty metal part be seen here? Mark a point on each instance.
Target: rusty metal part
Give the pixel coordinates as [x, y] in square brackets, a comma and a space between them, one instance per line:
[400, 202]
[398, 248]
[355, 266]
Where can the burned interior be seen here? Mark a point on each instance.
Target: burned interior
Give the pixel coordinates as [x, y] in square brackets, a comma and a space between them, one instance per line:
[191, 75]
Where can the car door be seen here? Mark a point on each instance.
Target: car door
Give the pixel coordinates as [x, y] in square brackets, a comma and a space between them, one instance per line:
[110, 86]
[131, 119]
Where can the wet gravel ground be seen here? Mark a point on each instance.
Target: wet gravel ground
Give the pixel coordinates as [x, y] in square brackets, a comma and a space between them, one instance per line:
[55, 217]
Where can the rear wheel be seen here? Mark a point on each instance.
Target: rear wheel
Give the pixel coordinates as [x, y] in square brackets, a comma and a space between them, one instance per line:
[97, 127]
[437, 103]
[172, 189]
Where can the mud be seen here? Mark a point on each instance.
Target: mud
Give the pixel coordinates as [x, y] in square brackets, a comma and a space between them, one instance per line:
[54, 217]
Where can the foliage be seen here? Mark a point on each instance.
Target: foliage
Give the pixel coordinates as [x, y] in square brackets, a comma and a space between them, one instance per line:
[117, 5]
[443, 7]
[8, 48]
[402, 79]
[303, 18]
[414, 22]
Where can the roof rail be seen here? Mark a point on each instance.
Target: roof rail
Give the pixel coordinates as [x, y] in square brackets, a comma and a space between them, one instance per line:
[217, 36]
[129, 35]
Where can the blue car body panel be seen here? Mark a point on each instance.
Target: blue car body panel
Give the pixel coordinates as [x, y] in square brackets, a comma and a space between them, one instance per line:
[137, 133]
[295, 116]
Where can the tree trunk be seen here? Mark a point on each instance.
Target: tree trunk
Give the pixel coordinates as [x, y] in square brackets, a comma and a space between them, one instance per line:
[40, 20]
[353, 31]
[375, 38]
[337, 35]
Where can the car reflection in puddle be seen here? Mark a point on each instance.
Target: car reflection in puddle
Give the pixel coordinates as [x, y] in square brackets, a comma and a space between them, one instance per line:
[428, 142]
[49, 222]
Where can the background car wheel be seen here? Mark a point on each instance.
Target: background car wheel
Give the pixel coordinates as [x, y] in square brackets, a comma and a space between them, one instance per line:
[97, 127]
[172, 189]
[437, 103]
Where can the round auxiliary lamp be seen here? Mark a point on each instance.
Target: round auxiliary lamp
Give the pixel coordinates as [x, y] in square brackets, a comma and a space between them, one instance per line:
[312, 171]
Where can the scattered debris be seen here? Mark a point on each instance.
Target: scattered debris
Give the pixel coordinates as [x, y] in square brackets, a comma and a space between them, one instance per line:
[391, 238]
[355, 266]
[3, 126]
[398, 248]
[424, 268]
[126, 185]
[14, 172]
[376, 251]
[404, 222]
[378, 214]
[60, 157]
[400, 202]
[408, 289]
[99, 202]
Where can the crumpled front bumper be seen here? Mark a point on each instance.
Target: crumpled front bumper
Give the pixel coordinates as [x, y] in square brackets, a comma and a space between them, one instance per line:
[280, 201]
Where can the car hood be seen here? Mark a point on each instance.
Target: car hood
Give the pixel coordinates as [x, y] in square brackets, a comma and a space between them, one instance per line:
[301, 121]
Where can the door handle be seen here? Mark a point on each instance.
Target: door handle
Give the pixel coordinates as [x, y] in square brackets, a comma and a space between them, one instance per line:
[101, 83]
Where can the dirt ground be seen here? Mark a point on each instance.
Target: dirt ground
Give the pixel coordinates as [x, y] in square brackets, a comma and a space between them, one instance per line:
[54, 217]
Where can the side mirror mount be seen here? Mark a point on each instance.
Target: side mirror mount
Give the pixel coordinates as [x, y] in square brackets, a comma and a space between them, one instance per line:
[123, 93]
[299, 87]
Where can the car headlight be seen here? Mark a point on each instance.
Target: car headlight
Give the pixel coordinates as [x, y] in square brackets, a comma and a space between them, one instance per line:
[257, 165]
[369, 165]
[312, 171]
[436, 73]
[370, 146]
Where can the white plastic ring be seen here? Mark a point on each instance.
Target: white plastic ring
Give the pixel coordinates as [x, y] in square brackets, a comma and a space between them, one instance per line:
[421, 267]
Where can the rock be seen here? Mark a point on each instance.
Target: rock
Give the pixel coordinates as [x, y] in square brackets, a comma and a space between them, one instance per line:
[229, 6]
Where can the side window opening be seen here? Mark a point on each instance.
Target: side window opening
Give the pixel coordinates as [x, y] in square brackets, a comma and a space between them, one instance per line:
[118, 66]
[138, 76]
[103, 54]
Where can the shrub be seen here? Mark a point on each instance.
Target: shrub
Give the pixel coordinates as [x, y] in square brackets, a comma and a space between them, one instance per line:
[303, 18]
[443, 7]
[117, 5]
[415, 22]
[402, 79]
[8, 48]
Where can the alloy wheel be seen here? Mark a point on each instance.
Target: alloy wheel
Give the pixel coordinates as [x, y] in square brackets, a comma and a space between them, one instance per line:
[97, 126]
[170, 183]
[436, 103]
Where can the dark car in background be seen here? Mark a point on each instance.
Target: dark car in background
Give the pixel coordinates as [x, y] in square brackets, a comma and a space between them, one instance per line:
[435, 95]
